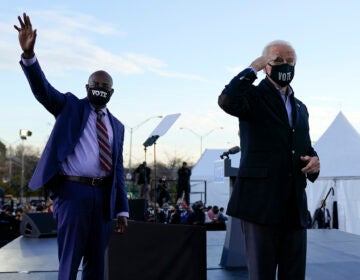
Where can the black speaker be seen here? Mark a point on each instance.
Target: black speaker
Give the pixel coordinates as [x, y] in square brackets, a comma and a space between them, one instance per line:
[38, 225]
[137, 209]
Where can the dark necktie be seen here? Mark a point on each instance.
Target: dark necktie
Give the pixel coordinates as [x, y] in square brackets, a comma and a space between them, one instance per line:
[104, 144]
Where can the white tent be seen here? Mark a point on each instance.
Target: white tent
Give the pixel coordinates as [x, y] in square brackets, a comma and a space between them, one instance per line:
[209, 170]
[339, 152]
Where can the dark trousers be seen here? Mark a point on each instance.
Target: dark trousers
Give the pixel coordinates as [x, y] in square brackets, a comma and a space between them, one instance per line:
[186, 190]
[271, 248]
[83, 232]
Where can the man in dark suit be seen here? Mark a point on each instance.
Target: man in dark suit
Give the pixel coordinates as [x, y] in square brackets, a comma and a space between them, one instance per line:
[82, 165]
[143, 174]
[276, 159]
[322, 216]
[183, 182]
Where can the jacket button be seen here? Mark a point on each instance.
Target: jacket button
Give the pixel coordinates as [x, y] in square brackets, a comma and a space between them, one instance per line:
[293, 151]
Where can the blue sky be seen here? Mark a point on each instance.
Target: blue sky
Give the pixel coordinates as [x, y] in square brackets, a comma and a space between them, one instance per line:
[171, 57]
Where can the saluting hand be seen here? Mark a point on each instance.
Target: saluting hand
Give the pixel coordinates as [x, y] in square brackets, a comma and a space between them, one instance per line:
[260, 63]
[27, 36]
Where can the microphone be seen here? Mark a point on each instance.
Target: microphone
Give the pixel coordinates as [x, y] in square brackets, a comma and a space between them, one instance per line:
[231, 151]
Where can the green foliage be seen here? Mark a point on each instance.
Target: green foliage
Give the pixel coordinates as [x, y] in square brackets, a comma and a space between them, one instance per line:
[10, 170]
[2, 153]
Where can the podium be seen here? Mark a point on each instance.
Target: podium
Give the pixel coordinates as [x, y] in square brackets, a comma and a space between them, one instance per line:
[233, 254]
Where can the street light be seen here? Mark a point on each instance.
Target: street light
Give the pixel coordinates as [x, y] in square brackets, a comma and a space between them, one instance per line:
[24, 133]
[201, 136]
[132, 129]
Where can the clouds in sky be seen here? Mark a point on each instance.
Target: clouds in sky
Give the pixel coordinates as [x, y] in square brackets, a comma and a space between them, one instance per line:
[180, 57]
[69, 40]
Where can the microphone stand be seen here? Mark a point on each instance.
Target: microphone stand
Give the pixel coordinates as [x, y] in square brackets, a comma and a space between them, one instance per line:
[323, 203]
[160, 130]
[152, 141]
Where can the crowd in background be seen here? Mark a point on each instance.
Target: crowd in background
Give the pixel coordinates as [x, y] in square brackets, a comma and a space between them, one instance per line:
[175, 208]
[212, 217]
[11, 216]
[163, 211]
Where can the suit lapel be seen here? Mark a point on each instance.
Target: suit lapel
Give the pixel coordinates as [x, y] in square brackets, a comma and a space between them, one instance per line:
[296, 107]
[86, 113]
[275, 102]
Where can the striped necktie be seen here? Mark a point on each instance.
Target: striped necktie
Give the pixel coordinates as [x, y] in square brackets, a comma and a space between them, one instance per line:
[104, 144]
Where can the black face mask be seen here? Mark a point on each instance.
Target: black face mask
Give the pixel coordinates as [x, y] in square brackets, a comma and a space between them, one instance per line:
[98, 96]
[282, 74]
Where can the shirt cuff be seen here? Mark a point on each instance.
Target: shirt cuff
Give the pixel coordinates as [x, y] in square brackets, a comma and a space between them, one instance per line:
[253, 69]
[28, 61]
[123, 214]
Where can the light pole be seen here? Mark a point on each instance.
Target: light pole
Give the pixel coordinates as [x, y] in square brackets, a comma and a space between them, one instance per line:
[201, 136]
[132, 129]
[9, 152]
[10, 165]
[24, 133]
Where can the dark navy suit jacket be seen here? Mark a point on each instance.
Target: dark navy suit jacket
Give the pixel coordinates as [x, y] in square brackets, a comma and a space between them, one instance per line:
[71, 116]
[270, 164]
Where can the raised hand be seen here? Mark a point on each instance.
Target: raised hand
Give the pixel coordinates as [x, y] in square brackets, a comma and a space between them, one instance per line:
[261, 62]
[27, 36]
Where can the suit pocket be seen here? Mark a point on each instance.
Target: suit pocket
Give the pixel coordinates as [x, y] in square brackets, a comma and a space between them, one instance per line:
[253, 185]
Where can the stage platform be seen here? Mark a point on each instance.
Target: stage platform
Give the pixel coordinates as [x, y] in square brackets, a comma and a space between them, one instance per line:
[332, 255]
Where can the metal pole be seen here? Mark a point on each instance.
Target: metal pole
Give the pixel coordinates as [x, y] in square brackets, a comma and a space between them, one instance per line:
[24, 133]
[22, 173]
[130, 152]
[132, 129]
[10, 166]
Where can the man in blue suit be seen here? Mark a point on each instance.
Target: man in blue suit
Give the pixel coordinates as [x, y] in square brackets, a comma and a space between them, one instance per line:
[276, 159]
[85, 177]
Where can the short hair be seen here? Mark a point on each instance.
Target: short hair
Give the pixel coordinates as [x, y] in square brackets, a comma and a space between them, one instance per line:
[276, 43]
[101, 73]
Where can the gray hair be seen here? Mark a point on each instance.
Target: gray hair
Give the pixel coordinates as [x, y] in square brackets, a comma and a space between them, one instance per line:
[277, 43]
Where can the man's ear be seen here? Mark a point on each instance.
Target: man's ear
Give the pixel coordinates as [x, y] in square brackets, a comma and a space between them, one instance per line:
[87, 87]
[111, 92]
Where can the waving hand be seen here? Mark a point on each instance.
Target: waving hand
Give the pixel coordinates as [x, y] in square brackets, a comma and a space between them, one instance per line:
[27, 36]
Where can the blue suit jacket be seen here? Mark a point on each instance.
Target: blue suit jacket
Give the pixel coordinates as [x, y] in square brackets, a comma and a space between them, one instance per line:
[71, 115]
